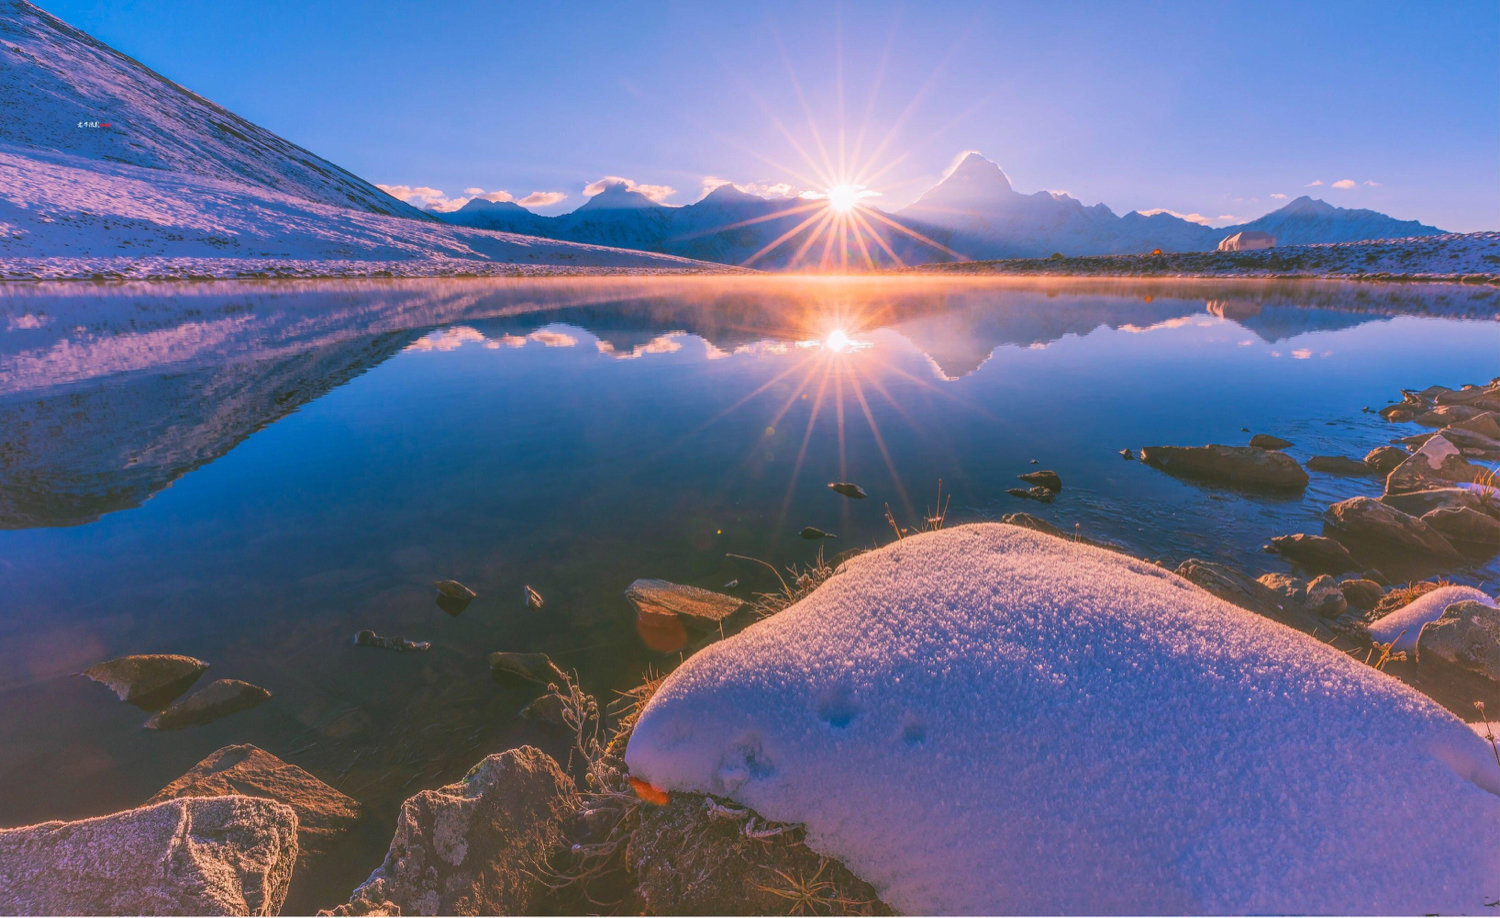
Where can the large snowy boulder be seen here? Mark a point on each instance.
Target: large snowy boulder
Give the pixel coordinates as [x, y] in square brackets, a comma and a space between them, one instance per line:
[1247, 241]
[990, 720]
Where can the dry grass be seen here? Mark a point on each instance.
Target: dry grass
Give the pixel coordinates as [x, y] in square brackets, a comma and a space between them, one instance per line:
[812, 894]
[799, 581]
[1400, 596]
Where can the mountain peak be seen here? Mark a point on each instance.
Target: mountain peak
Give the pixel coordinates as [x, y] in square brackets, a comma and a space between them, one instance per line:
[1305, 206]
[481, 204]
[970, 185]
[727, 193]
[972, 167]
[618, 196]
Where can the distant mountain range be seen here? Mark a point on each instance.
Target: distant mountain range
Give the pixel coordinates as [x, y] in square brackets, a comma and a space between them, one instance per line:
[973, 212]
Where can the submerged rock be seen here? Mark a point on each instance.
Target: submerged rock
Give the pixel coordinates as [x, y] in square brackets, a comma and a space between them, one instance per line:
[472, 848]
[1366, 521]
[1035, 492]
[1269, 441]
[148, 680]
[230, 855]
[533, 598]
[848, 489]
[1047, 479]
[1339, 465]
[1466, 636]
[369, 638]
[1318, 554]
[510, 666]
[813, 532]
[1128, 455]
[1245, 466]
[322, 812]
[998, 802]
[453, 597]
[659, 599]
[215, 700]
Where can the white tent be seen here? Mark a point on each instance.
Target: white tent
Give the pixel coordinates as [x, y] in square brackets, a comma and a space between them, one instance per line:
[1247, 241]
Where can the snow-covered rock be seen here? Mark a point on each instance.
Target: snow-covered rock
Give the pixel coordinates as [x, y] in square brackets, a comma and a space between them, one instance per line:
[990, 720]
[1404, 624]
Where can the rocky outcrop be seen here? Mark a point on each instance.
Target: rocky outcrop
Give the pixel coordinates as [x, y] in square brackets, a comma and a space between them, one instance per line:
[1318, 554]
[1244, 466]
[1466, 528]
[1230, 585]
[657, 600]
[1364, 521]
[469, 848]
[229, 855]
[1045, 478]
[1384, 458]
[1466, 636]
[1269, 441]
[215, 700]
[322, 812]
[148, 680]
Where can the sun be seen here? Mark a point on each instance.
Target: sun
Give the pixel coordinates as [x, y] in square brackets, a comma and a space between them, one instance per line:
[844, 198]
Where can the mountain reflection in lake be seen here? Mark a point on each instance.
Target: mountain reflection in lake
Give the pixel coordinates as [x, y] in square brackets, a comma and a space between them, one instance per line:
[250, 473]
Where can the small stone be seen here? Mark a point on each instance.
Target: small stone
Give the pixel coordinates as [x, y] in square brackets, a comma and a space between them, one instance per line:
[848, 489]
[1339, 465]
[1466, 636]
[454, 590]
[212, 702]
[510, 666]
[1360, 593]
[1325, 599]
[661, 600]
[1292, 590]
[1035, 492]
[1127, 455]
[812, 532]
[1268, 441]
[547, 709]
[1047, 479]
[369, 638]
[533, 598]
[148, 680]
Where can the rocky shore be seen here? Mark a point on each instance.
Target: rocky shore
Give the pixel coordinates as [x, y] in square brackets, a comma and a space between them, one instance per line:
[582, 830]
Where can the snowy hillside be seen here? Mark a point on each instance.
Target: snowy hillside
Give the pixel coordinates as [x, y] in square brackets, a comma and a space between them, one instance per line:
[176, 186]
[1307, 221]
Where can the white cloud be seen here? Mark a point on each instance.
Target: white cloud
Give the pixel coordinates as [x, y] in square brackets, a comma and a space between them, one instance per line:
[473, 191]
[1372, 183]
[759, 189]
[1345, 184]
[542, 198]
[1313, 184]
[1226, 218]
[1277, 196]
[418, 195]
[657, 193]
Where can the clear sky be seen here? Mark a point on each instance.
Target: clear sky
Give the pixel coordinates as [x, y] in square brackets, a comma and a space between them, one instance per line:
[1201, 108]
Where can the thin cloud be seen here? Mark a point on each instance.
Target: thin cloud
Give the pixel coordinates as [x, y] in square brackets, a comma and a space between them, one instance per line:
[542, 199]
[1313, 184]
[433, 199]
[1191, 218]
[770, 190]
[1277, 196]
[1345, 184]
[657, 193]
[1372, 183]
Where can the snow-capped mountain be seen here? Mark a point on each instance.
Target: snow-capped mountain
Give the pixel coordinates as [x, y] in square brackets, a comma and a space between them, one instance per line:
[1307, 221]
[107, 168]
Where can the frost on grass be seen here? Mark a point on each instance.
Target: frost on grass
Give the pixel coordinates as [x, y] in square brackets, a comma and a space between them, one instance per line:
[992, 720]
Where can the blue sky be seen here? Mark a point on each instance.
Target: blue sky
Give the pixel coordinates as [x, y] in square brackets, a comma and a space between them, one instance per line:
[1200, 108]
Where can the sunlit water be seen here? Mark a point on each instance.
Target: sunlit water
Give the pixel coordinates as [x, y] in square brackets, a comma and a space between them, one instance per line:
[251, 473]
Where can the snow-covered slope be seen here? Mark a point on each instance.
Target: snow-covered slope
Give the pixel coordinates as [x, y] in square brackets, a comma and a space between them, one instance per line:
[176, 185]
[989, 720]
[54, 79]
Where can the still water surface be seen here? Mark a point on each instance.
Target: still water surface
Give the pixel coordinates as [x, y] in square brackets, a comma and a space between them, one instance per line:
[250, 473]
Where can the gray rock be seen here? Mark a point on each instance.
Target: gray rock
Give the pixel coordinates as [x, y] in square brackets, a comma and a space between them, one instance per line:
[1487, 424]
[1245, 466]
[322, 812]
[1291, 591]
[1360, 593]
[506, 665]
[1436, 464]
[213, 701]
[1035, 492]
[229, 855]
[369, 638]
[548, 709]
[812, 533]
[454, 590]
[532, 598]
[1466, 528]
[1443, 415]
[1339, 465]
[1466, 636]
[1269, 441]
[148, 680]
[1419, 503]
[848, 489]
[1046, 478]
[1230, 585]
[1384, 458]
[1369, 522]
[1318, 554]
[1325, 599]
[700, 608]
[470, 848]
